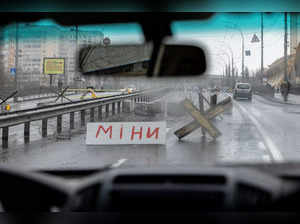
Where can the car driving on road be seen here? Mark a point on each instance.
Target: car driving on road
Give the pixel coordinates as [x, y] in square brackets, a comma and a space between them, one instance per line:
[242, 90]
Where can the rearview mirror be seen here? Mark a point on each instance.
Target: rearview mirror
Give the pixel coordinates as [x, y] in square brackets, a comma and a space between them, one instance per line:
[115, 59]
[180, 60]
[128, 60]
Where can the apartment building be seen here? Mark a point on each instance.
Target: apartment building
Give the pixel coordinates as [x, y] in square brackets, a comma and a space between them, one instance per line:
[36, 42]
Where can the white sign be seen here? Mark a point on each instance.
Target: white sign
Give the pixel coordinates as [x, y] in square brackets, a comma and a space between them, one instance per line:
[254, 39]
[116, 133]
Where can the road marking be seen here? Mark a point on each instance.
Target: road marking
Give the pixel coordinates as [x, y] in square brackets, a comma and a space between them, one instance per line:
[256, 112]
[276, 154]
[119, 163]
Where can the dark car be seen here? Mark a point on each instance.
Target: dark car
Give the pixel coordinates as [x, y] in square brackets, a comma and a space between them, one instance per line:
[242, 90]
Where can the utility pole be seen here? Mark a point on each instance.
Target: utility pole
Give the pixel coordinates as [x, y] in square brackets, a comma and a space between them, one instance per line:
[76, 37]
[262, 46]
[232, 67]
[16, 60]
[285, 56]
[76, 54]
[226, 73]
[243, 56]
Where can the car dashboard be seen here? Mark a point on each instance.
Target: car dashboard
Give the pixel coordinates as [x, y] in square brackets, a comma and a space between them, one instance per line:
[145, 192]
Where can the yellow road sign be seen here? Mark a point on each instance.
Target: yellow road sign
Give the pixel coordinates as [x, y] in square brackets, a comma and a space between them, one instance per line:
[54, 66]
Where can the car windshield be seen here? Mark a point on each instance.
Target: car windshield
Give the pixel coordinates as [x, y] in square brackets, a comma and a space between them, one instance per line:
[78, 97]
[243, 86]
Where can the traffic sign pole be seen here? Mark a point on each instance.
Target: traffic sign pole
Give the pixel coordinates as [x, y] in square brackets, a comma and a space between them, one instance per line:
[51, 80]
[262, 45]
[285, 57]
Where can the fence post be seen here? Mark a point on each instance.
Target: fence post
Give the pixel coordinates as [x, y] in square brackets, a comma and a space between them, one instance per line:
[123, 106]
[119, 107]
[59, 123]
[107, 110]
[99, 113]
[113, 108]
[72, 120]
[213, 100]
[82, 117]
[44, 127]
[27, 132]
[92, 115]
[5, 132]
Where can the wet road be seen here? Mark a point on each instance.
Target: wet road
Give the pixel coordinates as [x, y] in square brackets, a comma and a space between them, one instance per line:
[281, 124]
[257, 131]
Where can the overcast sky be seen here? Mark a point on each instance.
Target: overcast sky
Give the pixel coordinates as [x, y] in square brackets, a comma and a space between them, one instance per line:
[221, 35]
[118, 33]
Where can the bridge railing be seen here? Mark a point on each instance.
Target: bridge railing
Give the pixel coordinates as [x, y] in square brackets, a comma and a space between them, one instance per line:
[45, 113]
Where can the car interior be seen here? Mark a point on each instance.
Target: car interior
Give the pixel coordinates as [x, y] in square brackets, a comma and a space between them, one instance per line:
[224, 193]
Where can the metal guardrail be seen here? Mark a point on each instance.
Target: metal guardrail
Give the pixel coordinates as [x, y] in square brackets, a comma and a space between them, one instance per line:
[59, 104]
[58, 110]
[40, 96]
[37, 97]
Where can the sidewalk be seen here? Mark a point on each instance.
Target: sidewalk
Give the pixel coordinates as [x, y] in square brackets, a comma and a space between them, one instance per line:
[292, 99]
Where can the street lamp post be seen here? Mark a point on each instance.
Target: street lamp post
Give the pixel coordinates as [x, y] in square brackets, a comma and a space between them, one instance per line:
[243, 48]
[262, 45]
[232, 66]
[225, 63]
[228, 57]
[285, 96]
[243, 56]
[232, 58]
[16, 60]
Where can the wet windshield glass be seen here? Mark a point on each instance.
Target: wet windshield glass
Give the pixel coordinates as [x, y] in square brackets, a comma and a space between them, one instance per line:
[67, 103]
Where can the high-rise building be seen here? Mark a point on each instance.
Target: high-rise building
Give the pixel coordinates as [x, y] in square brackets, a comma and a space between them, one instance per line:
[36, 42]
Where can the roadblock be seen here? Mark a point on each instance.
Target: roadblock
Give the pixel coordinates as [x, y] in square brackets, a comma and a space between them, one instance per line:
[203, 118]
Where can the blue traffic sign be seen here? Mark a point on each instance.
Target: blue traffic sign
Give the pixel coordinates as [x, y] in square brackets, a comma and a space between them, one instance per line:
[13, 71]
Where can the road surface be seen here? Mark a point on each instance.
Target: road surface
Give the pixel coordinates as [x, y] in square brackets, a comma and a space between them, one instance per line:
[257, 131]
